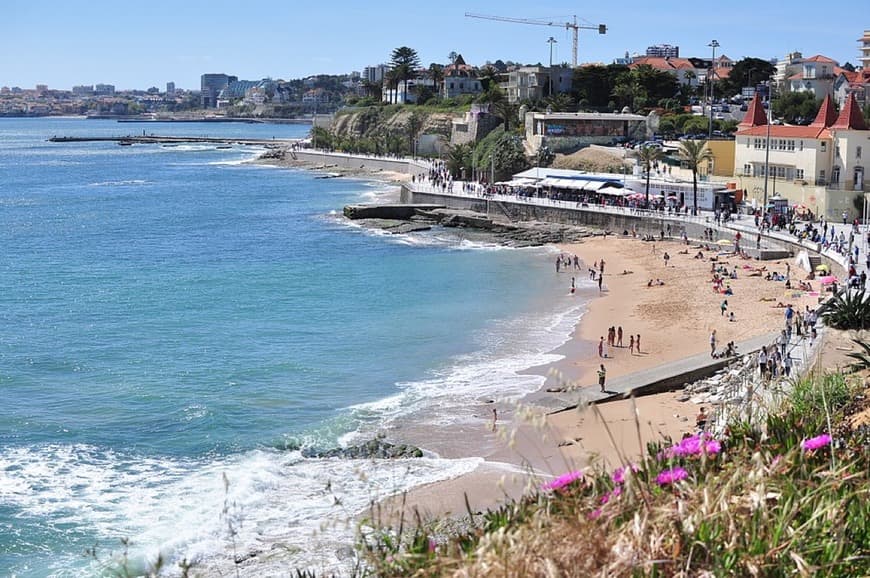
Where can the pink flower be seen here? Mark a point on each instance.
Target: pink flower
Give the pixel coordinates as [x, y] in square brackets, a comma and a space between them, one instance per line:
[671, 476]
[693, 446]
[594, 514]
[816, 443]
[563, 480]
[618, 475]
[617, 491]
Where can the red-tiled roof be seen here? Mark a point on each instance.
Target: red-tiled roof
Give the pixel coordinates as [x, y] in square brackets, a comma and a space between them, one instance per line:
[662, 63]
[819, 58]
[755, 115]
[787, 131]
[826, 115]
[850, 117]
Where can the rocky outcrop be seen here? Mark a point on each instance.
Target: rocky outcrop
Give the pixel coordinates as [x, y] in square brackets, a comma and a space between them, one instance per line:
[421, 217]
[372, 449]
[374, 120]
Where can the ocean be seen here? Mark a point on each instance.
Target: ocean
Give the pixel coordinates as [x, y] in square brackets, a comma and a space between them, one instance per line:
[177, 323]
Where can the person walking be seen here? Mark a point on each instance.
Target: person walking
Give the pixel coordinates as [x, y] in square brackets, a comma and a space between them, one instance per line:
[619, 336]
[602, 376]
[637, 343]
[631, 344]
[724, 307]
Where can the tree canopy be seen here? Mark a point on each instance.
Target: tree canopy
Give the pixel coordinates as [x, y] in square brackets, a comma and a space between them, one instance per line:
[404, 62]
[796, 107]
[747, 72]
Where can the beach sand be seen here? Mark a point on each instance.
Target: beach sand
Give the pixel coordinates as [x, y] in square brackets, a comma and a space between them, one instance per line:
[674, 320]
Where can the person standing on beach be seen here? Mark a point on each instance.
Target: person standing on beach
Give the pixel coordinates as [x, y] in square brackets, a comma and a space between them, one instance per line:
[666, 258]
[637, 342]
[558, 263]
[631, 344]
[713, 344]
[601, 267]
[600, 280]
[601, 347]
[619, 336]
[602, 376]
[724, 307]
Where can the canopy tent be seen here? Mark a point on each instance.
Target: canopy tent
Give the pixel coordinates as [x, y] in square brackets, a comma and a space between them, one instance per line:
[592, 186]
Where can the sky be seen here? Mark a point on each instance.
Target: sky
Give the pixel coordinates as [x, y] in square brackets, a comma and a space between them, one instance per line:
[136, 45]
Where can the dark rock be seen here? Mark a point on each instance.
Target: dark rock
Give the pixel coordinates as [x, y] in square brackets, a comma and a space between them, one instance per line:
[376, 448]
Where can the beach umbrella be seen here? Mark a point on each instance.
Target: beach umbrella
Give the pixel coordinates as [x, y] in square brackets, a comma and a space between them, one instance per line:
[724, 242]
[822, 267]
[827, 279]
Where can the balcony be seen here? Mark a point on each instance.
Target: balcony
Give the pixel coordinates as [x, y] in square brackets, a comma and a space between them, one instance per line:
[821, 182]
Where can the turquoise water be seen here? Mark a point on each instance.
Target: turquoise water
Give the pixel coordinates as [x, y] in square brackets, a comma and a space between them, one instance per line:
[174, 315]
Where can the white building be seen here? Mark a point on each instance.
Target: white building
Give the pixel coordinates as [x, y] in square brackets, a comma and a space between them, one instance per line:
[820, 166]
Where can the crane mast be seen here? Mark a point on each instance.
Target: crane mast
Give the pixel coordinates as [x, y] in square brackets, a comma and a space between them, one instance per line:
[572, 26]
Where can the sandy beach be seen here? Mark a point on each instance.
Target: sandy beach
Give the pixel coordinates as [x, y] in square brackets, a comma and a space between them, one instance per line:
[674, 319]
[674, 316]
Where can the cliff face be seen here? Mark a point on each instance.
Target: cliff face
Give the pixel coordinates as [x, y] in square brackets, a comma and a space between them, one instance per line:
[371, 121]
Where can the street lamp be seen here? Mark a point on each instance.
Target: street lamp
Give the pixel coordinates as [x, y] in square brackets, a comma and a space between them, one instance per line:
[713, 44]
[767, 151]
[551, 41]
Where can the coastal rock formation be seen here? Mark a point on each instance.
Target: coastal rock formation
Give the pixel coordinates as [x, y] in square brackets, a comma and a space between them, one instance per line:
[421, 218]
[372, 449]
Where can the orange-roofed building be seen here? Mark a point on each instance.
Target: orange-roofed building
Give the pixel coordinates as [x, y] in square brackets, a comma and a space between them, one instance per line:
[682, 68]
[821, 165]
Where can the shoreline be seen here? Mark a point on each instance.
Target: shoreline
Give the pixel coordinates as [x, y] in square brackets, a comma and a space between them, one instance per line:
[674, 320]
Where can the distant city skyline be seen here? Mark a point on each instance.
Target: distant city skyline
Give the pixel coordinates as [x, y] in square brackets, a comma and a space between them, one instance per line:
[63, 44]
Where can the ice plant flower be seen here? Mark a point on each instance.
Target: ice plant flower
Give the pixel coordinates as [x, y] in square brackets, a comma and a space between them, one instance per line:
[816, 443]
[671, 476]
[594, 514]
[693, 446]
[618, 475]
[562, 481]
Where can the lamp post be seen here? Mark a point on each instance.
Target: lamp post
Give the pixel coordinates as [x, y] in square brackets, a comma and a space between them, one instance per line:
[767, 152]
[713, 44]
[551, 41]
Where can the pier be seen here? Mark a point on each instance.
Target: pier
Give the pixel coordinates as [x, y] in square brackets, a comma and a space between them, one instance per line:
[154, 139]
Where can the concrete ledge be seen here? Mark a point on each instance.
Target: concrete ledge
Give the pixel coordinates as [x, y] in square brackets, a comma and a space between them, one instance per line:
[403, 212]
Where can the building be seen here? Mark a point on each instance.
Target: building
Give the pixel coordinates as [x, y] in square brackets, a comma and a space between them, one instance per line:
[864, 48]
[533, 83]
[682, 68]
[170, 89]
[820, 166]
[570, 131]
[104, 90]
[211, 86]
[83, 90]
[375, 74]
[663, 51]
[816, 75]
[460, 79]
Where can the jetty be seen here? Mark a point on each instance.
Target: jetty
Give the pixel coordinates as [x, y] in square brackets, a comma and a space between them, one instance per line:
[155, 139]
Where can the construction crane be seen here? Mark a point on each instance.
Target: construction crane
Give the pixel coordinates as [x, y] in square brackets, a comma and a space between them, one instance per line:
[573, 26]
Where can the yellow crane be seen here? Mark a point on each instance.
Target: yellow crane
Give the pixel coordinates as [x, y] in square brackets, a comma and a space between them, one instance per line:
[573, 26]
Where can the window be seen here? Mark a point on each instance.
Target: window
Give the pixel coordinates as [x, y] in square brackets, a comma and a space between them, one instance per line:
[801, 144]
[837, 150]
[822, 176]
[823, 147]
[799, 174]
[857, 152]
[791, 145]
[747, 169]
[780, 172]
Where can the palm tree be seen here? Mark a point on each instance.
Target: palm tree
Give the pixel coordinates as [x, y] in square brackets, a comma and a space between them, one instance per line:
[436, 71]
[405, 62]
[647, 156]
[694, 152]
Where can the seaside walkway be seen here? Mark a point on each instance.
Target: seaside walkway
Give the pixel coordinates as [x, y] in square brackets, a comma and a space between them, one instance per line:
[669, 376]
